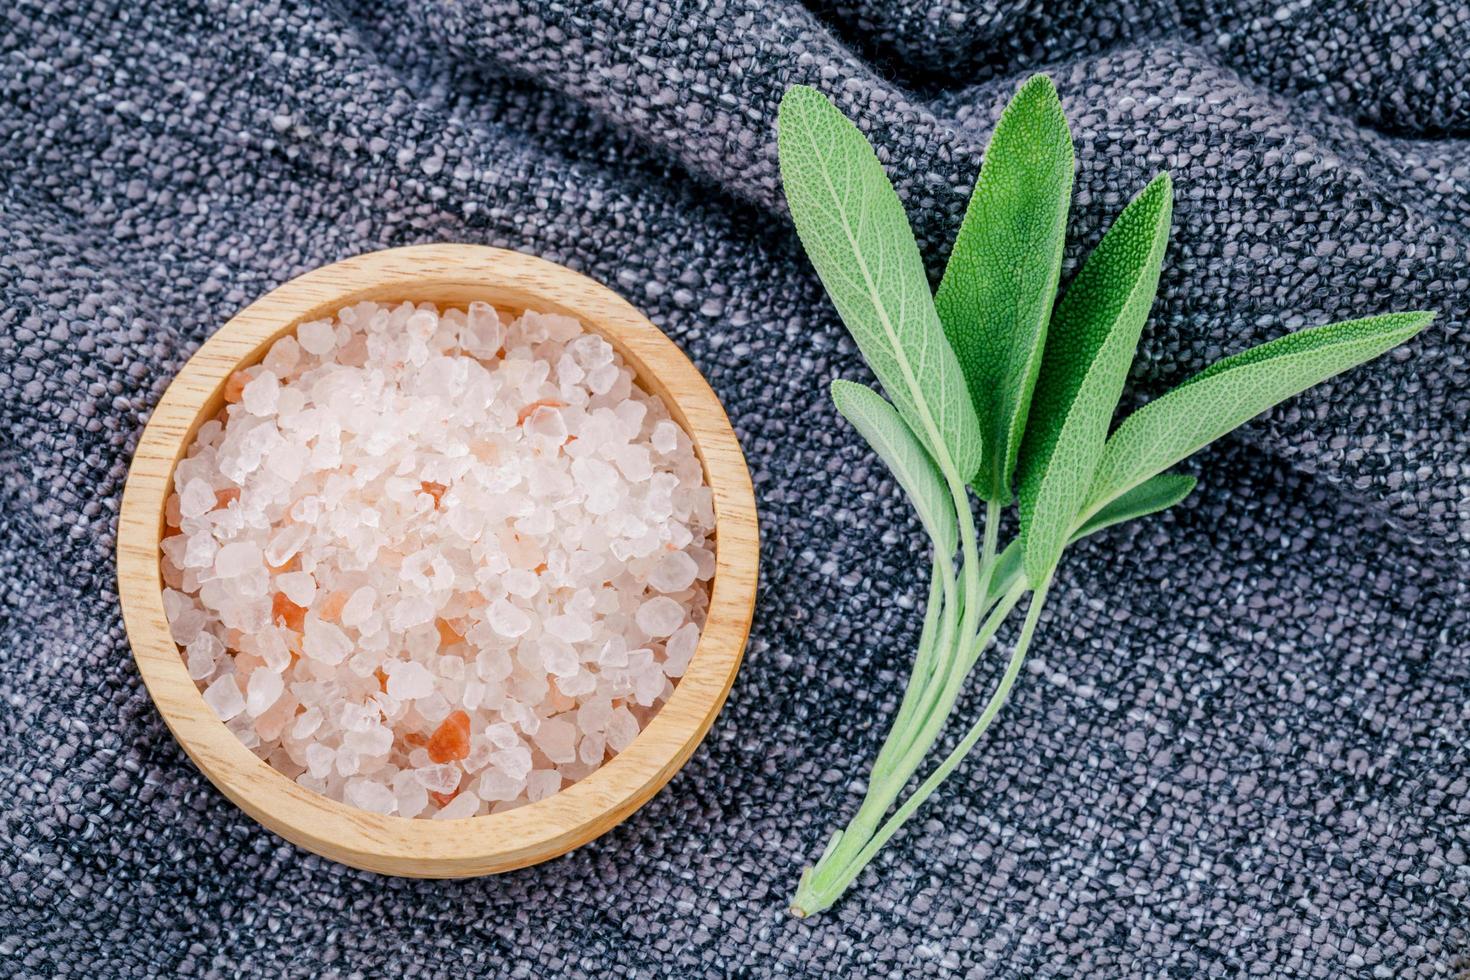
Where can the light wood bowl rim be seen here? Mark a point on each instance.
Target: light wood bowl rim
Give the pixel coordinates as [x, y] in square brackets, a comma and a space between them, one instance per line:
[454, 273]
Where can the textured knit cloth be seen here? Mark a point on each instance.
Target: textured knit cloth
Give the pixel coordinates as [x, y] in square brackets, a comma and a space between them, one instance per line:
[1242, 744]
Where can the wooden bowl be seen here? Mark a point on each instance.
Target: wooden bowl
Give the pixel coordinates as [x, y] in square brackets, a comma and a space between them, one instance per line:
[448, 275]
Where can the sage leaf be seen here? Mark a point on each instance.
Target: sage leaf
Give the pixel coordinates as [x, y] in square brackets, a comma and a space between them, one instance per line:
[895, 443]
[855, 232]
[1158, 492]
[1094, 335]
[1232, 391]
[1151, 496]
[1001, 280]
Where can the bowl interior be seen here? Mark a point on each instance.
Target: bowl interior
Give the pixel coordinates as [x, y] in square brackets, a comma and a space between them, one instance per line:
[448, 276]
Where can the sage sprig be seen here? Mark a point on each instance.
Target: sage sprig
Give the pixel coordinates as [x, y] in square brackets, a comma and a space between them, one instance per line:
[996, 385]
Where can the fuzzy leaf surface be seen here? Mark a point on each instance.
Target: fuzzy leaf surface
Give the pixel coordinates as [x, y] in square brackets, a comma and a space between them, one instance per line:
[895, 443]
[855, 232]
[1094, 334]
[996, 296]
[1236, 389]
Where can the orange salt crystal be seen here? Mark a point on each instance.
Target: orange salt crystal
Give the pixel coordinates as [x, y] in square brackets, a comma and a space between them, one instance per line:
[540, 569]
[382, 680]
[223, 498]
[332, 607]
[286, 613]
[448, 635]
[442, 799]
[451, 740]
[527, 410]
[235, 386]
[435, 490]
[416, 740]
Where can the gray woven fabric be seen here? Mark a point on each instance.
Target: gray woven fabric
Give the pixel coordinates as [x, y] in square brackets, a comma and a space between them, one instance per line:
[1243, 744]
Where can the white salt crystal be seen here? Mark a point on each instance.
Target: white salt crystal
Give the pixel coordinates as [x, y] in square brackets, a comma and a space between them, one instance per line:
[559, 657]
[648, 684]
[325, 642]
[665, 438]
[480, 750]
[201, 655]
[679, 649]
[659, 616]
[502, 736]
[497, 784]
[462, 806]
[408, 680]
[547, 427]
[319, 759]
[515, 761]
[421, 325]
[541, 784]
[287, 461]
[240, 558]
[359, 717]
[674, 572]
[348, 761]
[299, 587]
[283, 356]
[359, 606]
[522, 582]
[284, 544]
[410, 799]
[317, 337]
[592, 748]
[601, 379]
[443, 778]
[571, 628]
[410, 612]
[508, 620]
[262, 690]
[373, 741]
[370, 795]
[622, 729]
[634, 461]
[614, 653]
[306, 724]
[557, 739]
[224, 697]
[260, 395]
[196, 499]
[593, 715]
[482, 334]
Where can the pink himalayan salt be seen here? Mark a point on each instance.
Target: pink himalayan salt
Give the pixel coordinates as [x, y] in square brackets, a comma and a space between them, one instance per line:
[348, 597]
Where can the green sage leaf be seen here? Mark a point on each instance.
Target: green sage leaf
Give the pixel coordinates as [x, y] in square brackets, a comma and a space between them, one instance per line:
[858, 237]
[1149, 497]
[1093, 337]
[998, 289]
[1235, 390]
[895, 443]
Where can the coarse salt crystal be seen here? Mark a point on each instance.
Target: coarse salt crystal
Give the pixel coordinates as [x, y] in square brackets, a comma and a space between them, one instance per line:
[674, 572]
[408, 680]
[262, 690]
[463, 805]
[659, 616]
[224, 697]
[316, 337]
